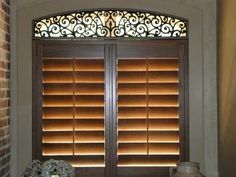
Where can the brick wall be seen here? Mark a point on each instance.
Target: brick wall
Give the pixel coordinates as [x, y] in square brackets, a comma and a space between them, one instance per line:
[4, 88]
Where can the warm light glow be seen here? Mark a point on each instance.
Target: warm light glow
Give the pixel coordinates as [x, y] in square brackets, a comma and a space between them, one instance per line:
[150, 129]
[68, 106]
[56, 154]
[95, 153]
[90, 141]
[150, 141]
[150, 153]
[88, 165]
[163, 153]
[164, 129]
[60, 141]
[131, 153]
[55, 129]
[163, 141]
[147, 165]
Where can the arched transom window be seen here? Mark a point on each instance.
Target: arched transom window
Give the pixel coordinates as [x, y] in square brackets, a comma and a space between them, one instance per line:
[111, 23]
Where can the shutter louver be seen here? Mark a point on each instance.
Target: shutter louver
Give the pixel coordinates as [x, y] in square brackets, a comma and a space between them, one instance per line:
[73, 110]
[148, 112]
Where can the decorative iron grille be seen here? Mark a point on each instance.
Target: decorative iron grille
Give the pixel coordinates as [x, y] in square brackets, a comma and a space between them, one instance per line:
[111, 23]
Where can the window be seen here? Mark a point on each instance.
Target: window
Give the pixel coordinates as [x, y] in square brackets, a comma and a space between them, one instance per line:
[111, 107]
[110, 24]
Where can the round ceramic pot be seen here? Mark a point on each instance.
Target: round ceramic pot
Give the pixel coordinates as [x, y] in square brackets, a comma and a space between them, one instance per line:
[186, 169]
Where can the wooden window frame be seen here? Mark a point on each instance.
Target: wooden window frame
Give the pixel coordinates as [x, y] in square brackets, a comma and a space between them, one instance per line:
[110, 168]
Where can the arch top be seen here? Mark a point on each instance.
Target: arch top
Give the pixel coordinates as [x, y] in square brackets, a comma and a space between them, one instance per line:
[110, 24]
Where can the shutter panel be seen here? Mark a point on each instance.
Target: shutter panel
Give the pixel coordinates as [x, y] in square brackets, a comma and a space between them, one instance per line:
[73, 110]
[148, 109]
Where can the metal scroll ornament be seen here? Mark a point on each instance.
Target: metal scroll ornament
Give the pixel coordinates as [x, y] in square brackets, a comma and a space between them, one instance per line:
[110, 24]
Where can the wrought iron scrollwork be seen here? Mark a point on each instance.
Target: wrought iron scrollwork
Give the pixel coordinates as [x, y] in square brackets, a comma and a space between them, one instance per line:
[112, 23]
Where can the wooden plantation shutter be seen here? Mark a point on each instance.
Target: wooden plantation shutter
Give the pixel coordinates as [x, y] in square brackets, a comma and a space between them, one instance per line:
[73, 104]
[114, 109]
[149, 107]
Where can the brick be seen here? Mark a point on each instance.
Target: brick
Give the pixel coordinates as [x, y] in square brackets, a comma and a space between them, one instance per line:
[5, 151]
[7, 2]
[4, 88]
[4, 160]
[4, 131]
[4, 122]
[5, 8]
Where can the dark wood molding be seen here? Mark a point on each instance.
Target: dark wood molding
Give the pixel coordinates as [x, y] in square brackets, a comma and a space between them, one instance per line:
[111, 121]
[37, 101]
